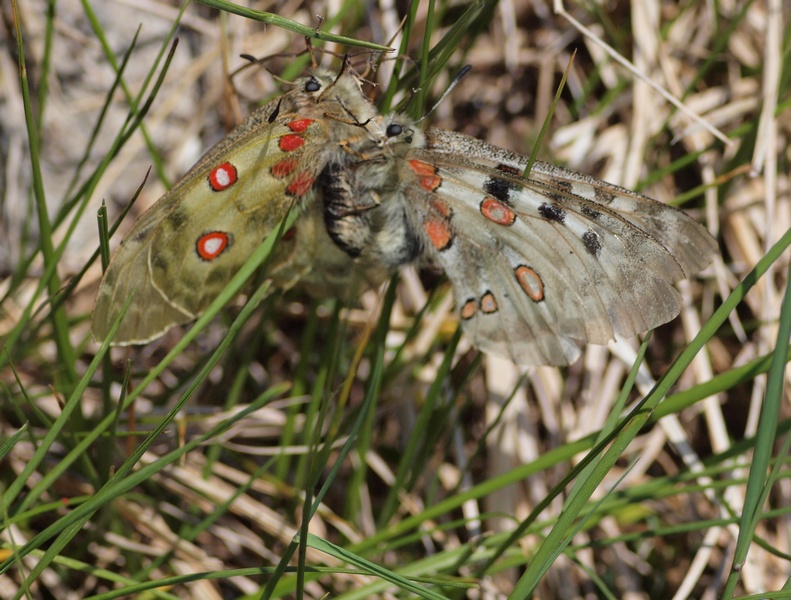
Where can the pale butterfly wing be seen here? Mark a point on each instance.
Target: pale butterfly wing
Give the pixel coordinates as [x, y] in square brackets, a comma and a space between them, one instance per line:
[689, 242]
[559, 258]
[182, 252]
[537, 265]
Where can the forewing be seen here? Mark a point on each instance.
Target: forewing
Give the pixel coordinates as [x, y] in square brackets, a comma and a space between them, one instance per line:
[690, 244]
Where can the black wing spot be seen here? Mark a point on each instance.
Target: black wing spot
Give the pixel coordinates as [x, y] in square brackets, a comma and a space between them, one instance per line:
[592, 243]
[501, 188]
[177, 218]
[552, 212]
[509, 169]
[139, 236]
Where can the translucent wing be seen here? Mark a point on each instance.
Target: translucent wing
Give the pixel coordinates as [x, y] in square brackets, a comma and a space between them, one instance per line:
[688, 242]
[539, 264]
[182, 252]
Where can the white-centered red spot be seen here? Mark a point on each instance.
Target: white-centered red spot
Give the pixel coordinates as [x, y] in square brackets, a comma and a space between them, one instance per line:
[429, 180]
[210, 245]
[299, 125]
[531, 283]
[497, 212]
[290, 142]
[222, 177]
[488, 303]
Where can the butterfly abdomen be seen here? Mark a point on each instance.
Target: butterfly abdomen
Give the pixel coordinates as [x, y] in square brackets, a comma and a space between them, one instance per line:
[360, 223]
[347, 224]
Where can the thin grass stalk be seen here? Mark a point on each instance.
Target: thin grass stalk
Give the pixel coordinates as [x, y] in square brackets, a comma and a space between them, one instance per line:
[289, 25]
[373, 383]
[51, 280]
[759, 483]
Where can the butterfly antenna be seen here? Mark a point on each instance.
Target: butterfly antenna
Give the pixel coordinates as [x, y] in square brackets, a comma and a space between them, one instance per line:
[252, 60]
[464, 70]
[345, 68]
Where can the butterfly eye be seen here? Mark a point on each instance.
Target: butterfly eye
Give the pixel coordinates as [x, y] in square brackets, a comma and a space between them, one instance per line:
[312, 85]
[393, 130]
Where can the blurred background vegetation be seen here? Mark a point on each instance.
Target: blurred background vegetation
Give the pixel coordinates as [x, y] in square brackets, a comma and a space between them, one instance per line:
[368, 451]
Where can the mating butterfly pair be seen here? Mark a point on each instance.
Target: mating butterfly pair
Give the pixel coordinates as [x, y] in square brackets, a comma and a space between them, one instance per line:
[537, 264]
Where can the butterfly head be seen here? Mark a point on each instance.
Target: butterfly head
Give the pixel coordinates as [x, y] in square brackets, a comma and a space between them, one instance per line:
[339, 93]
[395, 134]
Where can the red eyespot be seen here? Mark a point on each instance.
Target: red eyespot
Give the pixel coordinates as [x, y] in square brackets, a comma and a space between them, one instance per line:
[469, 309]
[210, 245]
[488, 303]
[421, 168]
[497, 212]
[531, 283]
[222, 177]
[442, 207]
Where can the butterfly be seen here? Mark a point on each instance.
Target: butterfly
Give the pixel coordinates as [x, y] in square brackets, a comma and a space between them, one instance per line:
[538, 264]
[180, 253]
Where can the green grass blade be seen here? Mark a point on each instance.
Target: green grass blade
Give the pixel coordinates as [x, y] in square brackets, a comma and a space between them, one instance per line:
[289, 25]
